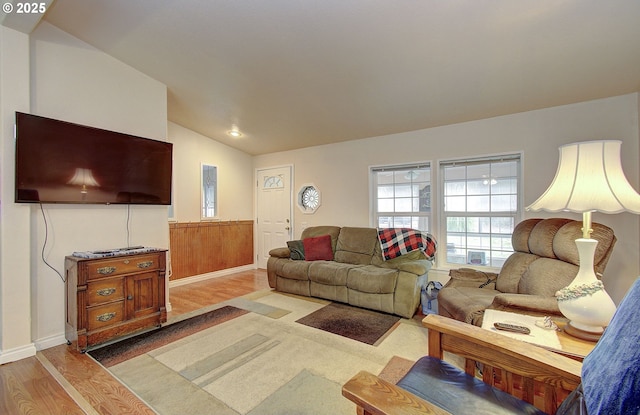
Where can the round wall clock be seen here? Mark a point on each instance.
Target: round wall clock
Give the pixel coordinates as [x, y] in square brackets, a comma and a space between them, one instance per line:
[309, 198]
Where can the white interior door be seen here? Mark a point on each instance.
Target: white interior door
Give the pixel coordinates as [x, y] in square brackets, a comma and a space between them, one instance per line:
[274, 211]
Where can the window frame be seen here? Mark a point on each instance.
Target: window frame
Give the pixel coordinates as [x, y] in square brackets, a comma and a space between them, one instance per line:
[493, 262]
[373, 179]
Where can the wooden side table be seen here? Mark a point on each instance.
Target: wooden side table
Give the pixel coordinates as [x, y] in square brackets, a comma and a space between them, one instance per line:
[572, 347]
[568, 345]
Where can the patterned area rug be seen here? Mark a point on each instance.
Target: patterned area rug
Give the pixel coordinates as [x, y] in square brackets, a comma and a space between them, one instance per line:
[367, 326]
[135, 346]
[256, 359]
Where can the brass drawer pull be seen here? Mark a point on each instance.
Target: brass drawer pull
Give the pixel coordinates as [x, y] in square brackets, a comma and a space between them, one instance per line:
[105, 292]
[145, 264]
[106, 270]
[106, 316]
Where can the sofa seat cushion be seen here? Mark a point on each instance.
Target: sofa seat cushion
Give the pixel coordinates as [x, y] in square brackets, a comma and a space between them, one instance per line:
[329, 272]
[453, 390]
[465, 303]
[372, 279]
[295, 270]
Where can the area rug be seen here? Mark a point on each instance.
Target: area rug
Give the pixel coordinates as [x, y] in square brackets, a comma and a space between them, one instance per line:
[135, 346]
[367, 326]
[262, 362]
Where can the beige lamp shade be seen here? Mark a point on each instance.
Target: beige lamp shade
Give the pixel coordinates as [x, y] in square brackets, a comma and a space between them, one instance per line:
[589, 178]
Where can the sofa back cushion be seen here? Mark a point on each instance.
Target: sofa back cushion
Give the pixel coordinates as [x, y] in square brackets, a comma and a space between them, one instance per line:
[313, 231]
[565, 248]
[512, 270]
[542, 236]
[546, 257]
[356, 245]
[545, 276]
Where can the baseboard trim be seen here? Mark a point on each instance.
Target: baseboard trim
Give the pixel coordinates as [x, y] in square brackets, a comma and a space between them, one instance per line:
[51, 341]
[18, 353]
[209, 275]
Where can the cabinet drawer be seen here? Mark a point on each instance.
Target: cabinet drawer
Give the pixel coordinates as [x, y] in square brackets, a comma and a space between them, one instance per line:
[105, 290]
[123, 265]
[105, 315]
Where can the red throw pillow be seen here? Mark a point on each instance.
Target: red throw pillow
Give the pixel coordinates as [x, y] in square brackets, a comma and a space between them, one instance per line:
[318, 248]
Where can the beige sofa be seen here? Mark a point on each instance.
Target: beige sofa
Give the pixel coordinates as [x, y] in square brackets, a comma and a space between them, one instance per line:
[545, 259]
[358, 275]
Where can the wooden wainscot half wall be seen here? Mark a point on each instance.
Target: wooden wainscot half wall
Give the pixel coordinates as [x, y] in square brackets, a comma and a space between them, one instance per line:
[202, 247]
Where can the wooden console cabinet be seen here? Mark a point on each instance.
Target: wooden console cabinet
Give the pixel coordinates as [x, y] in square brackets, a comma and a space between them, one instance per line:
[115, 296]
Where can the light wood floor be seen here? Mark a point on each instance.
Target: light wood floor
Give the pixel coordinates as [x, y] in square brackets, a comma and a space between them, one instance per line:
[61, 380]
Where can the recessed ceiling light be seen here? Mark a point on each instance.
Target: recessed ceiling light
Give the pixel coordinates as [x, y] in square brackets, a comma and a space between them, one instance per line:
[234, 131]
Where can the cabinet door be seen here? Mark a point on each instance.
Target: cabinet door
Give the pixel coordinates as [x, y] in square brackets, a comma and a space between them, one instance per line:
[142, 294]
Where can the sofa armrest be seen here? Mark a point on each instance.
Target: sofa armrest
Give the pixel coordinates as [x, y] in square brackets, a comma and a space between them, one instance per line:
[280, 253]
[526, 304]
[467, 277]
[379, 397]
[417, 267]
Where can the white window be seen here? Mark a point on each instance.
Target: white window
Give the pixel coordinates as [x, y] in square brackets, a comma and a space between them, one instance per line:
[402, 196]
[481, 203]
[209, 191]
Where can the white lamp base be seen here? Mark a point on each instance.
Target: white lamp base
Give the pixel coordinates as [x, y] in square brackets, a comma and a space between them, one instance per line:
[585, 302]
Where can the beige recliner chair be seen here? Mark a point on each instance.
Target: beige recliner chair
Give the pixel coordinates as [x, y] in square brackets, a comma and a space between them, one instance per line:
[545, 259]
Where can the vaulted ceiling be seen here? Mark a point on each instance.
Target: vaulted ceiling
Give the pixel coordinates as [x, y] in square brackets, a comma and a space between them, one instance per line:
[298, 73]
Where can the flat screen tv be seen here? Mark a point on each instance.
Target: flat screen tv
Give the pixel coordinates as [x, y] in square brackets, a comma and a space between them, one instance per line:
[62, 162]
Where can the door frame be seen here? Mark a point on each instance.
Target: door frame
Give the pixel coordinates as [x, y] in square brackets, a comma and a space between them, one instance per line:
[256, 172]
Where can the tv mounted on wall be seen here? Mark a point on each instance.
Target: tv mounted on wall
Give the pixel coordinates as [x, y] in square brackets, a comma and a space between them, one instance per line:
[62, 162]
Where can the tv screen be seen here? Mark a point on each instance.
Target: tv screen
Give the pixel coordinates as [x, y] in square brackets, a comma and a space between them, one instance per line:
[62, 162]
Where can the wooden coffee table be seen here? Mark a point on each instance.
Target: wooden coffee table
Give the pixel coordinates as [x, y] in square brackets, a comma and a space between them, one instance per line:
[566, 344]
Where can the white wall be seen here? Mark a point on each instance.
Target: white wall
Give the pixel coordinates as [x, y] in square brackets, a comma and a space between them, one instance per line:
[15, 301]
[235, 176]
[72, 81]
[341, 170]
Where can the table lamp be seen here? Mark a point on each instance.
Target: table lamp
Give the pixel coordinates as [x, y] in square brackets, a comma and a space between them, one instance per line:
[589, 179]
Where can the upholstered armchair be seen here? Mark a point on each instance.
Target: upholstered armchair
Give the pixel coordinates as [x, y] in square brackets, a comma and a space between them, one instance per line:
[517, 377]
[545, 259]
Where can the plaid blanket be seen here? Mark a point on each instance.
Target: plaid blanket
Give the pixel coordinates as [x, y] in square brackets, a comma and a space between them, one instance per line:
[399, 241]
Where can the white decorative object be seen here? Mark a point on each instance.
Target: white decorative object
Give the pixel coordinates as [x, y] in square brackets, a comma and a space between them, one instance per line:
[589, 179]
[308, 198]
